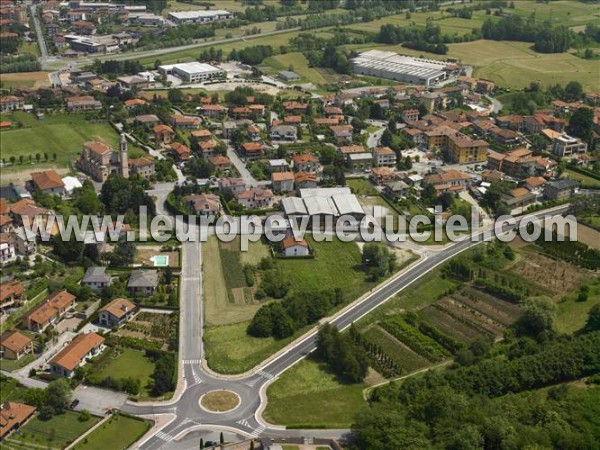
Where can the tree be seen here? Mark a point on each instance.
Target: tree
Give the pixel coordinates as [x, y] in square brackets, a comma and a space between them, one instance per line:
[386, 138]
[593, 320]
[581, 124]
[573, 91]
[58, 394]
[379, 257]
[201, 443]
[221, 438]
[537, 317]
[45, 413]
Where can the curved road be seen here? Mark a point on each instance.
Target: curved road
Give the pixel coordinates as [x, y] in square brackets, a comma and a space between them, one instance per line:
[246, 418]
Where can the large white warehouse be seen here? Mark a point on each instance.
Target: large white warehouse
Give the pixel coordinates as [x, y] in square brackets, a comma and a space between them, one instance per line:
[392, 66]
[192, 72]
[181, 17]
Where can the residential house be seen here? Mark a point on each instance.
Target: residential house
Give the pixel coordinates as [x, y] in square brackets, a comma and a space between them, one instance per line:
[202, 135]
[96, 278]
[342, 133]
[11, 103]
[410, 115]
[305, 162]
[291, 247]
[305, 180]
[181, 121]
[135, 103]
[360, 161]
[560, 190]
[395, 189]
[492, 176]
[566, 145]
[292, 120]
[518, 198]
[163, 134]
[282, 181]
[278, 165]
[213, 110]
[284, 133]
[80, 349]
[535, 185]
[252, 150]
[8, 250]
[142, 282]
[134, 82]
[148, 120]
[26, 211]
[449, 181]
[255, 197]
[384, 157]
[382, 175]
[181, 152]
[14, 344]
[48, 182]
[519, 163]
[83, 103]
[143, 167]
[414, 134]
[207, 148]
[254, 133]
[117, 312]
[220, 162]
[49, 312]
[235, 185]
[13, 416]
[294, 107]
[12, 295]
[228, 128]
[204, 204]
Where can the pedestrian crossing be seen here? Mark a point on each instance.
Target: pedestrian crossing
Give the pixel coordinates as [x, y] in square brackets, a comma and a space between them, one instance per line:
[258, 431]
[192, 361]
[266, 375]
[164, 436]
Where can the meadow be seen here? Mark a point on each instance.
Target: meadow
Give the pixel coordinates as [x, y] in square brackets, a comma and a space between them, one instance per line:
[60, 133]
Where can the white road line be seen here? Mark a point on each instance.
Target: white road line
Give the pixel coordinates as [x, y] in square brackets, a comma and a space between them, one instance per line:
[197, 379]
[266, 375]
[191, 361]
[244, 423]
[164, 436]
[258, 431]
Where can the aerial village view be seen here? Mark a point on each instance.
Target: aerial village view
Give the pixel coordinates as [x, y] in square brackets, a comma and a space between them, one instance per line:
[300, 224]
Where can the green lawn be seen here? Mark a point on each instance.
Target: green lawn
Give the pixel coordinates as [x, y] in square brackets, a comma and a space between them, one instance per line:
[58, 432]
[571, 314]
[127, 363]
[229, 349]
[306, 396]
[12, 365]
[11, 390]
[336, 264]
[360, 186]
[584, 179]
[62, 134]
[119, 432]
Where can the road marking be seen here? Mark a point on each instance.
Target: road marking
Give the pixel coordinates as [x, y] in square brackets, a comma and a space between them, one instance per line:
[197, 379]
[244, 423]
[258, 431]
[164, 436]
[266, 375]
[191, 361]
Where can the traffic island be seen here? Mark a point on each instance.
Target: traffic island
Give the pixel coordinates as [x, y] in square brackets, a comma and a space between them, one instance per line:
[219, 401]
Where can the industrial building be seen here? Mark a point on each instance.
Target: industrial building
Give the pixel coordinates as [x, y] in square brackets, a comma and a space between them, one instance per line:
[184, 17]
[407, 69]
[322, 202]
[192, 72]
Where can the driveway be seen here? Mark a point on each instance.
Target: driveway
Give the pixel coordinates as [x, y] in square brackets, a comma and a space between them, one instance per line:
[98, 401]
[241, 167]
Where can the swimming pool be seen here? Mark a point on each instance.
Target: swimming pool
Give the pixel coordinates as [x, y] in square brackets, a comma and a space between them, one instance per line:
[160, 260]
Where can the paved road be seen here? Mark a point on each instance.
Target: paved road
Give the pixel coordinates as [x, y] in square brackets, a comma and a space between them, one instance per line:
[251, 387]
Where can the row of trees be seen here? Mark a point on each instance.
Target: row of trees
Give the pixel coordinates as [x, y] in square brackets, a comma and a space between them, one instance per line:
[343, 356]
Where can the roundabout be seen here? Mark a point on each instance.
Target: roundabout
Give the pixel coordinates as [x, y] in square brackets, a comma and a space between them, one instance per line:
[219, 402]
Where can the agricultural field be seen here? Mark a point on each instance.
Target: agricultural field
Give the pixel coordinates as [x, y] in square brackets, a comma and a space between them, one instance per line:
[511, 64]
[57, 432]
[296, 62]
[26, 79]
[556, 276]
[572, 314]
[222, 304]
[150, 327]
[117, 432]
[307, 396]
[59, 133]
